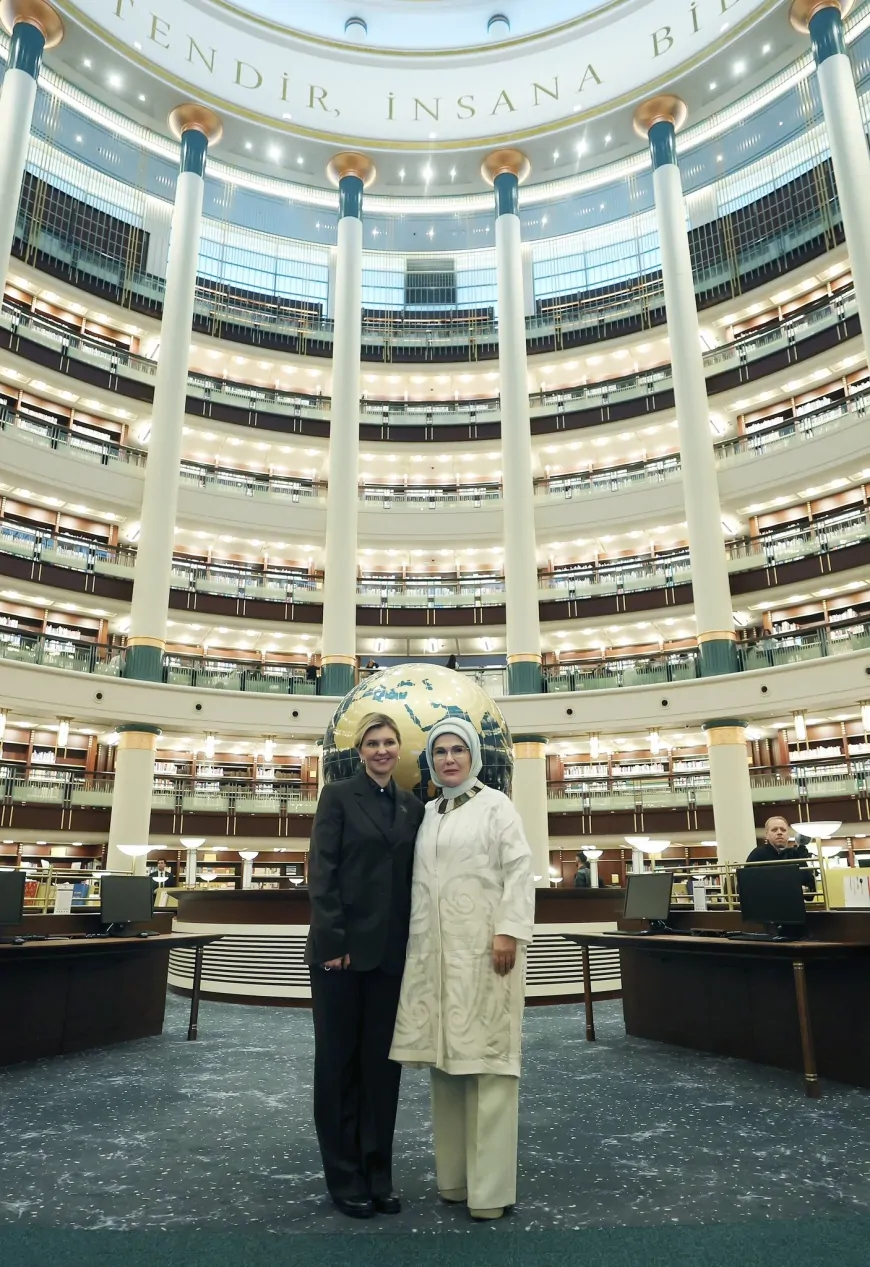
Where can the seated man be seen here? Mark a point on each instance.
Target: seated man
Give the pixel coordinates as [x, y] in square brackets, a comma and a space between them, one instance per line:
[775, 848]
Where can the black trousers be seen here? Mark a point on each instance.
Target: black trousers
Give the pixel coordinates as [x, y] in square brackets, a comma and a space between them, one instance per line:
[356, 1085]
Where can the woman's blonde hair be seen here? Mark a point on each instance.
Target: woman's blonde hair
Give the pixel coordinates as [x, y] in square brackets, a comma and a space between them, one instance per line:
[372, 721]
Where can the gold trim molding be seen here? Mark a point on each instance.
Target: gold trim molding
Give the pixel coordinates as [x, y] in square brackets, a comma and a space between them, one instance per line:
[717, 635]
[38, 13]
[802, 12]
[505, 160]
[351, 163]
[192, 116]
[142, 641]
[726, 737]
[526, 751]
[665, 108]
[137, 741]
[524, 659]
[339, 659]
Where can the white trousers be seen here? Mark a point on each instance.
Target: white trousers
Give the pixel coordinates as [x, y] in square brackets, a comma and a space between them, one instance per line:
[474, 1117]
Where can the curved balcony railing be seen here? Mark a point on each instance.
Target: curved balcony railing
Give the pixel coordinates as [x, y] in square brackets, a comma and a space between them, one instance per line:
[738, 355]
[273, 677]
[179, 794]
[788, 785]
[288, 585]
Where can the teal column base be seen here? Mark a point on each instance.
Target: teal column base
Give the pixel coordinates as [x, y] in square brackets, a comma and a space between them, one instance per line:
[144, 663]
[336, 679]
[719, 656]
[138, 728]
[525, 678]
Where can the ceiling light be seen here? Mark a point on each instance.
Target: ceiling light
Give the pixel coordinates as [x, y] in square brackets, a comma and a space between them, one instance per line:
[300, 159]
[713, 86]
[274, 153]
[765, 48]
[427, 173]
[87, 63]
[740, 68]
[142, 96]
[555, 155]
[115, 81]
[248, 145]
[800, 727]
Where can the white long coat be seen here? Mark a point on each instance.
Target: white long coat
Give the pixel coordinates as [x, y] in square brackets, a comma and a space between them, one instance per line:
[472, 880]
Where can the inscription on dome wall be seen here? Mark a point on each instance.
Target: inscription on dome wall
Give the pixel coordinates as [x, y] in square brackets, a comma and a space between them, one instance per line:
[528, 89]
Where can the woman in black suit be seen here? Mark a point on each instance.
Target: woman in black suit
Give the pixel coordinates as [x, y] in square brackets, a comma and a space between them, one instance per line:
[359, 883]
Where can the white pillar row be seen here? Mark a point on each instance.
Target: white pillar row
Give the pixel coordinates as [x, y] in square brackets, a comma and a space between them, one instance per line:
[530, 797]
[352, 173]
[822, 20]
[33, 26]
[731, 788]
[504, 169]
[657, 120]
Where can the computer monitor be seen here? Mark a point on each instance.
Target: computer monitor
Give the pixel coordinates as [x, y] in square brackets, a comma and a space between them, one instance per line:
[772, 894]
[648, 896]
[126, 899]
[11, 896]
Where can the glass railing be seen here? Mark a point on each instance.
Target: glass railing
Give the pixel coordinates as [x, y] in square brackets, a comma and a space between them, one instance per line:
[184, 794]
[295, 405]
[781, 786]
[215, 672]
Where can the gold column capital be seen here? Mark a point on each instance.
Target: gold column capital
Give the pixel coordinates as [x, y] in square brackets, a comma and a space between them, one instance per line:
[190, 116]
[802, 12]
[137, 741]
[717, 635]
[339, 659]
[351, 163]
[142, 641]
[524, 658]
[38, 13]
[726, 736]
[505, 160]
[528, 751]
[665, 108]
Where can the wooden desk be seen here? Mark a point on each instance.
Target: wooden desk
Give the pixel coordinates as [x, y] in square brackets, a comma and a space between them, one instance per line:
[69, 994]
[797, 1005]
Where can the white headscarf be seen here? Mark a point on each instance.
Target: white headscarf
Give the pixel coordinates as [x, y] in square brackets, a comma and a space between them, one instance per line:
[465, 730]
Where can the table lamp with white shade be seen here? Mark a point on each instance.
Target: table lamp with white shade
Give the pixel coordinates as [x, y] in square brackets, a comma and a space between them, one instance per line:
[191, 844]
[134, 852]
[248, 856]
[653, 848]
[593, 855]
[636, 844]
[818, 832]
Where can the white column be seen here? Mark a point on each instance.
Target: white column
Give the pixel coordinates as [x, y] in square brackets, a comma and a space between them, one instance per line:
[34, 27]
[529, 794]
[528, 280]
[131, 798]
[505, 169]
[150, 603]
[846, 136]
[731, 788]
[657, 120]
[352, 173]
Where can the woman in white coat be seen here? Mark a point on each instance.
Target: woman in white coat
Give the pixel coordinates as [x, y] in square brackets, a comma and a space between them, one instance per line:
[461, 1005]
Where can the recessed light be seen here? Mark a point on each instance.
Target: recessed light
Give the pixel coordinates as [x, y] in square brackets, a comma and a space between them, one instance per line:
[286, 115]
[87, 63]
[78, 140]
[274, 153]
[555, 155]
[739, 68]
[248, 145]
[713, 86]
[765, 48]
[300, 159]
[607, 139]
[142, 96]
[115, 81]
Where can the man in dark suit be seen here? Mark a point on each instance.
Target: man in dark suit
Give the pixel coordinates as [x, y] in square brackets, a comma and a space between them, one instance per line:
[775, 848]
[359, 881]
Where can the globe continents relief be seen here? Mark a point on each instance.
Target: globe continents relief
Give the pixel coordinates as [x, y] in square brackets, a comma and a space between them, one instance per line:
[416, 697]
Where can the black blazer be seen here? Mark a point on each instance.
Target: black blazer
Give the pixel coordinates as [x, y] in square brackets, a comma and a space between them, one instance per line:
[359, 876]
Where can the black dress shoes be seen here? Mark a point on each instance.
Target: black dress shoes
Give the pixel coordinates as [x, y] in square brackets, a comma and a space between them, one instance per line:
[355, 1207]
[389, 1204]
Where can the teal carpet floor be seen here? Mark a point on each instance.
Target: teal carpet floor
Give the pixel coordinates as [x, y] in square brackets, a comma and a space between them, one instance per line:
[164, 1153]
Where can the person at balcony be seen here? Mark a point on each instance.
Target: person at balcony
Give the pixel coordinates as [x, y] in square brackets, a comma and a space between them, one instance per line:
[775, 847]
[452, 662]
[461, 1006]
[583, 874]
[359, 882]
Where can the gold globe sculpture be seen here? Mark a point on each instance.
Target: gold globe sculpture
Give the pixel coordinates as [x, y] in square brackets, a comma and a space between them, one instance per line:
[416, 696]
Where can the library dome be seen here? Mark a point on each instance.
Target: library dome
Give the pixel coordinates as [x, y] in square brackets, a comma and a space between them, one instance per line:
[417, 697]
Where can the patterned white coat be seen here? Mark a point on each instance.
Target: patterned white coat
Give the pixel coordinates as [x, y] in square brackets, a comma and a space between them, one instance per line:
[472, 880]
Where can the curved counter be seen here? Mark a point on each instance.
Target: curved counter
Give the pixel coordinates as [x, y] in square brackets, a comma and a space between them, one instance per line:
[259, 957]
